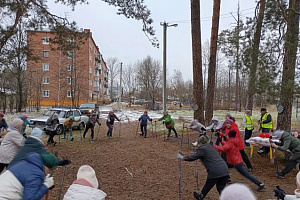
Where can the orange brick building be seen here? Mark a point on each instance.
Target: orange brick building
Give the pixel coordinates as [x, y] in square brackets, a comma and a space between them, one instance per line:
[65, 78]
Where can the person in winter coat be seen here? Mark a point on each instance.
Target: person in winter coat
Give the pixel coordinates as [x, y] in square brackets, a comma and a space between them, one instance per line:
[234, 158]
[288, 142]
[68, 126]
[91, 124]
[248, 126]
[227, 116]
[237, 191]
[217, 170]
[230, 125]
[169, 122]
[34, 144]
[12, 143]
[297, 190]
[143, 120]
[216, 126]
[3, 123]
[26, 122]
[51, 126]
[85, 186]
[110, 123]
[26, 180]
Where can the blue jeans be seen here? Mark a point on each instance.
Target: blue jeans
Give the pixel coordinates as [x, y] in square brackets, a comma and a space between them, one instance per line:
[144, 130]
[265, 130]
[240, 168]
[69, 129]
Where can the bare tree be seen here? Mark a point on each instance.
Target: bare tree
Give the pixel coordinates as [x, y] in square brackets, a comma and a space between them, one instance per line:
[114, 69]
[128, 80]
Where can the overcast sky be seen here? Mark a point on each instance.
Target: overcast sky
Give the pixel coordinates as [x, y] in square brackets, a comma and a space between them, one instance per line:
[123, 38]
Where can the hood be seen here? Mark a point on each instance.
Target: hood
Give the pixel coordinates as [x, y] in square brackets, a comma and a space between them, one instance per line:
[215, 119]
[284, 135]
[35, 159]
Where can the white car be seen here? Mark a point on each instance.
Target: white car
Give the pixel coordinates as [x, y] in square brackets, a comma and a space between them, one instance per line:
[63, 114]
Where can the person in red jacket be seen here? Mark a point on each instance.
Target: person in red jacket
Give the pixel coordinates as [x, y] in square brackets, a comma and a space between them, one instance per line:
[234, 158]
[231, 125]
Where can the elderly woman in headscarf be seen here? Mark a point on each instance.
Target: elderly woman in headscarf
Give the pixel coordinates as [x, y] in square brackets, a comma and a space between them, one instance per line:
[12, 143]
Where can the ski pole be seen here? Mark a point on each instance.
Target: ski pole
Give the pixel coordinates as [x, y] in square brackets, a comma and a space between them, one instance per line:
[151, 128]
[137, 128]
[182, 135]
[62, 181]
[155, 130]
[120, 129]
[179, 174]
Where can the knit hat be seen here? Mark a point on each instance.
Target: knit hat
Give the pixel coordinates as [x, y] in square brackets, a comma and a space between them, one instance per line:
[228, 121]
[232, 133]
[37, 132]
[247, 112]
[278, 133]
[203, 139]
[24, 116]
[16, 123]
[263, 109]
[237, 191]
[88, 173]
[49, 160]
[72, 117]
[228, 115]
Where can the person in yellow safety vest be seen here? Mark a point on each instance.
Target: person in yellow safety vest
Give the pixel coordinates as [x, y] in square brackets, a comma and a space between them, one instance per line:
[265, 126]
[248, 125]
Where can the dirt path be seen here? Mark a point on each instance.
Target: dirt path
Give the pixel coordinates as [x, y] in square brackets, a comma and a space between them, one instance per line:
[153, 165]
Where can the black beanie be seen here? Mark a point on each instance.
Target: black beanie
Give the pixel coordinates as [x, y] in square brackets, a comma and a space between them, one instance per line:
[232, 133]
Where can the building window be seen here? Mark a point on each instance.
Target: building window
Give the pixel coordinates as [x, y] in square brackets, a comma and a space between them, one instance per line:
[69, 80]
[90, 69]
[46, 40]
[45, 67]
[46, 80]
[46, 54]
[45, 93]
[69, 68]
[69, 93]
[70, 54]
[90, 82]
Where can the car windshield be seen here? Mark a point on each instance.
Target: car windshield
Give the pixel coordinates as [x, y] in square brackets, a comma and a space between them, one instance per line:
[87, 105]
[61, 114]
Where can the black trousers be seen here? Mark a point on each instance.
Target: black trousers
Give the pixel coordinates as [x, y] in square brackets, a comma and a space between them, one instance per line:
[289, 166]
[219, 182]
[2, 166]
[248, 134]
[87, 127]
[173, 129]
[246, 159]
[51, 137]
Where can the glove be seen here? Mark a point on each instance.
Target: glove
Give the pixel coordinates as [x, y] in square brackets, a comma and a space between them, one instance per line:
[150, 120]
[203, 129]
[64, 162]
[163, 121]
[179, 156]
[213, 130]
[49, 181]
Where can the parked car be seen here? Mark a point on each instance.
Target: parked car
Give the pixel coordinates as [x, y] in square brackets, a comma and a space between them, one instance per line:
[63, 114]
[89, 108]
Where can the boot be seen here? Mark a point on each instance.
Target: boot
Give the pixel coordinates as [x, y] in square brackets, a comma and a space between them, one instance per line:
[198, 196]
[71, 138]
[63, 137]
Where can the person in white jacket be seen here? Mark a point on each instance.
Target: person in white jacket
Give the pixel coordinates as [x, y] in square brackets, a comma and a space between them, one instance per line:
[85, 186]
[297, 190]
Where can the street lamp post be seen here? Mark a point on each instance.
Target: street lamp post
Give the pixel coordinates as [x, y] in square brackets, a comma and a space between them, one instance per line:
[165, 26]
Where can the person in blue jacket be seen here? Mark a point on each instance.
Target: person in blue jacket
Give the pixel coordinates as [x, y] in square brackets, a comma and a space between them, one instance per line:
[26, 180]
[26, 122]
[143, 120]
[3, 123]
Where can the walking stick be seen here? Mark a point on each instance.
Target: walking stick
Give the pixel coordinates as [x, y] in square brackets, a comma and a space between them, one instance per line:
[137, 128]
[182, 135]
[179, 174]
[151, 128]
[120, 129]
[188, 137]
[155, 130]
[62, 181]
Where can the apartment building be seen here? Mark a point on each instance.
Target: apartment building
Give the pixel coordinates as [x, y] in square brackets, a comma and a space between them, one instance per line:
[65, 77]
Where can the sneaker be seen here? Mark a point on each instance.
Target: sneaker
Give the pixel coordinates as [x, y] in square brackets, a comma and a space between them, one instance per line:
[53, 144]
[93, 139]
[167, 138]
[195, 143]
[63, 137]
[83, 136]
[261, 187]
[198, 196]
[279, 175]
[250, 169]
[71, 138]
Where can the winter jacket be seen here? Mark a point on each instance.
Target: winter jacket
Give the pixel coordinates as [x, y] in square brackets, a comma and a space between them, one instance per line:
[24, 180]
[51, 124]
[81, 189]
[12, 143]
[224, 124]
[26, 122]
[111, 120]
[196, 126]
[3, 124]
[211, 159]
[290, 143]
[231, 147]
[32, 145]
[238, 134]
[292, 197]
[143, 119]
[167, 119]
[68, 123]
[215, 126]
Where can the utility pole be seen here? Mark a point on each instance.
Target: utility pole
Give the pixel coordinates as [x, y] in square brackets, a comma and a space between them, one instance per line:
[165, 26]
[120, 97]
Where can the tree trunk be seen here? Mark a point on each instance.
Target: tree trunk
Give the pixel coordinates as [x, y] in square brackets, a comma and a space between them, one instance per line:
[209, 108]
[289, 63]
[197, 60]
[254, 55]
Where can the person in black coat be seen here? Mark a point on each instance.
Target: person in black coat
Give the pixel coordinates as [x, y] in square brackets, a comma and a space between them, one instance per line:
[110, 122]
[91, 124]
[217, 170]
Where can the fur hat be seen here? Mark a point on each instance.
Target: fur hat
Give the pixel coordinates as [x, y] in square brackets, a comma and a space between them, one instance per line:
[263, 109]
[16, 123]
[228, 115]
[247, 112]
[203, 139]
[87, 173]
[278, 133]
[49, 160]
[237, 191]
[228, 121]
[38, 133]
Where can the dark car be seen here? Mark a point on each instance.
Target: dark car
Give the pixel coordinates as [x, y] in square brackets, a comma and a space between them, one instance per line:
[89, 108]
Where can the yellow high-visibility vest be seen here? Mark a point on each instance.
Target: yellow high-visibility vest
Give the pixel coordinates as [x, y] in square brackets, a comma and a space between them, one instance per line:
[268, 125]
[249, 122]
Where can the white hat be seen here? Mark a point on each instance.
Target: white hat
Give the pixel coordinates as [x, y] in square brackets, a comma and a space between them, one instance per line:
[88, 173]
[16, 123]
[38, 133]
[237, 191]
